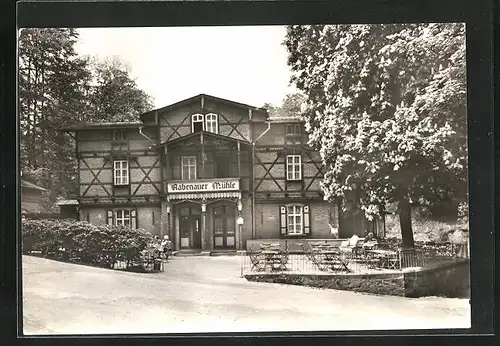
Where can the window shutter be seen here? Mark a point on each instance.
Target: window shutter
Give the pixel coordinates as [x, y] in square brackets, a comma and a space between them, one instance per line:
[307, 227]
[128, 171]
[133, 219]
[110, 217]
[301, 168]
[113, 173]
[283, 219]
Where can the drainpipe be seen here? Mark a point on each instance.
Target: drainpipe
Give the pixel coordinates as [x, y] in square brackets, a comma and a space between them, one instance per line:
[144, 135]
[253, 175]
[263, 133]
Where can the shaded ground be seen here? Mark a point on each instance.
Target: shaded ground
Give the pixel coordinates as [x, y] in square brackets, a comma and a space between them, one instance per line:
[206, 294]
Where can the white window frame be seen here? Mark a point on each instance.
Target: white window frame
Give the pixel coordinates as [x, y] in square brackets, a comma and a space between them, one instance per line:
[187, 161]
[212, 123]
[293, 167]
[292, 212]
[197, 118]
[121, 172]
[122, 216]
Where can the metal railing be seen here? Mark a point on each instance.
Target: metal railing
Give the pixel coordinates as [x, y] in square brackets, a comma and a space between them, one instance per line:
[355, 261]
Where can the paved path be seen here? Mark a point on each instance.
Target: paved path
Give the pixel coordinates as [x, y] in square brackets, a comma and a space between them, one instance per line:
[206, 294]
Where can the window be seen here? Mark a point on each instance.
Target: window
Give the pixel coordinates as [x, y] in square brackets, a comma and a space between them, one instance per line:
[294, 219]
[197, 122]
[119, 135]
[293, 167]
[293, 134]
[121, 172]
[211, 123]
[122, 217]
[294, 222]
[188, 167]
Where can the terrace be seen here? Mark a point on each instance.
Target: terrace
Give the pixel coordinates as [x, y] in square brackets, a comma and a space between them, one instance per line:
[364, 266]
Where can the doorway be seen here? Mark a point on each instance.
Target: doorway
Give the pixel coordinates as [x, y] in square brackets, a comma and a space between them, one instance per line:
[224, 227]
[190, 227]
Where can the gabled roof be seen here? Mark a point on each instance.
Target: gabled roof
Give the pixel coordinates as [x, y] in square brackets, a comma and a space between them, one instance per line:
[200, 98]
[205, 133]
[103, 126]
[67, 202]
[32, 186]
[285, 119]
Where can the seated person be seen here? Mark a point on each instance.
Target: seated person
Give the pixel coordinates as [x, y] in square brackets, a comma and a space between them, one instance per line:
[370, 241]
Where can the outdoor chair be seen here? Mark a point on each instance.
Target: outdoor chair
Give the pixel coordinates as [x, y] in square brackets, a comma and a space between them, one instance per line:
[256, 260]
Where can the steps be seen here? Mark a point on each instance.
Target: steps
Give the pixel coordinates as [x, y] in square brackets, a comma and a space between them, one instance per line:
[224, 253]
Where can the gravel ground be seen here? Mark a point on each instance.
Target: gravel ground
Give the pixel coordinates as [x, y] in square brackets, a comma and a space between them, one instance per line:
[206, 294]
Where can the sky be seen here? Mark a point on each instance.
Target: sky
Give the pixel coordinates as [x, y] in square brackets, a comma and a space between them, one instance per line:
[242, 64]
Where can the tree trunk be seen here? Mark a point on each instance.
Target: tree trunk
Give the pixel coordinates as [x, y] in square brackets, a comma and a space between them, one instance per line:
[405, 223]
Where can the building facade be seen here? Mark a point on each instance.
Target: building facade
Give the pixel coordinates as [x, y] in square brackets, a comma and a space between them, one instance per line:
[210, 173]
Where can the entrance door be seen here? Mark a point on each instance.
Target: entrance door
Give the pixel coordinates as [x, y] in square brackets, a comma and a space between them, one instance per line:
[224, 227]
[190, 228]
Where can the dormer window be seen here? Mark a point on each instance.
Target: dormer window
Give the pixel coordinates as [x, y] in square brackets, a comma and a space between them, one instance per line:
[197, 123]
[211, 123]
[119, 135]
[293, 133]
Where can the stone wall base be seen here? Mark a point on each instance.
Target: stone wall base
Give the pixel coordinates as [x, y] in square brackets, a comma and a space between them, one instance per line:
[450, 280]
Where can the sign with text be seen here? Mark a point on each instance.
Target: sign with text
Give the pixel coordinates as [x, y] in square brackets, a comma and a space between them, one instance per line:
[214, 185]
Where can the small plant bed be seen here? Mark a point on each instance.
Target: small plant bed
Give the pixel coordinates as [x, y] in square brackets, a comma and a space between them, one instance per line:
[102, 246]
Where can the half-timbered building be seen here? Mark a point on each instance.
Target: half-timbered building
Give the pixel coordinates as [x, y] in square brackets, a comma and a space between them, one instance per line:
[209, 172]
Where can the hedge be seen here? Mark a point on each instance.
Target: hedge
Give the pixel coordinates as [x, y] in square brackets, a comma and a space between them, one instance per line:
[84, 242]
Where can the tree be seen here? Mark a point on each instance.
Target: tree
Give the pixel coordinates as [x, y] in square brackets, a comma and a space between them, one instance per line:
[271, 109]
[58, 87]
[386, 110]
[51, 78]
[114, 95]
[290, 106]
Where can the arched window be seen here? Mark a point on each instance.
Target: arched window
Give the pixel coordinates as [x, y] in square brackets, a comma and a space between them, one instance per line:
[211, 123]
[197, 122]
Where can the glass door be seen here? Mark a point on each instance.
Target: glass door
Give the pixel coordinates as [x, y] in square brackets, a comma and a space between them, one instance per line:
[190, 227]
[224, 227]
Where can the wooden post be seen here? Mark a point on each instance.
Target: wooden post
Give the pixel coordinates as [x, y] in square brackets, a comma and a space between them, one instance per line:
[253, 191]
[239, 160]
[203, 229]
[176, 227]
[202, 175]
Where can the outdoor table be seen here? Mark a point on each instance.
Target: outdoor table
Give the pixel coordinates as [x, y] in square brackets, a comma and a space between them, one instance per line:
[331, 259]
[275, 259]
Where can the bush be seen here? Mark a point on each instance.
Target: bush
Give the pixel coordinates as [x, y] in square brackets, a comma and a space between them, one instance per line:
[102, 245]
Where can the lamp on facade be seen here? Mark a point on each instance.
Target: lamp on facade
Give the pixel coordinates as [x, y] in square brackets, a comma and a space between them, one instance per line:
[240, 206]
[168, 208]
[203, 207]
[240, 222]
